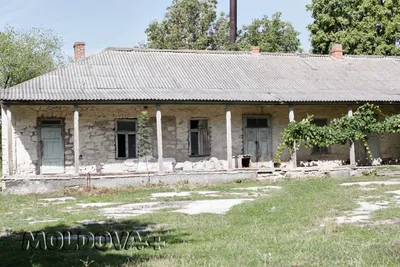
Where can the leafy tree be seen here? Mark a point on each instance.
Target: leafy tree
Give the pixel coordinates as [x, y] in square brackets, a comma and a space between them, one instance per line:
[194, 24]
[220, 37]
[271, 35]
[28, 54]
[187, 25]
[369, 27]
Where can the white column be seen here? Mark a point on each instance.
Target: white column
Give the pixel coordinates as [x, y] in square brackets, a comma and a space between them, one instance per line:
[352, 147]
[294, 154]
[9, 142]
[229, 137]
[159, 139]
[76, 139]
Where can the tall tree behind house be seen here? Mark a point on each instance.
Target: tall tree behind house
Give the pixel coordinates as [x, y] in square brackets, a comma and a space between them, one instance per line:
[194, 24]
[369, 27]
[26, 54]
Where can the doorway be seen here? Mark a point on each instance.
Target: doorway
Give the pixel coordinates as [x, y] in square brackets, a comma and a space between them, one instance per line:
[374, 143]
[51, 147]
[257, 137]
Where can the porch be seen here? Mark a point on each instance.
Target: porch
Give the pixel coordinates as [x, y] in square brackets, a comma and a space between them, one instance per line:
[68, 140]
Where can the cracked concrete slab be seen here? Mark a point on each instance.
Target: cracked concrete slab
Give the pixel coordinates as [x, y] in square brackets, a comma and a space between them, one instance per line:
[171, 194]
[362, 214]
[43, 221]
[209, 193]
[217, 206]
[367, 188]
[205, 193]
[372, 183]
[99, 204]
[261, 188]
[397, 192]
[135, 209]
[58, 199]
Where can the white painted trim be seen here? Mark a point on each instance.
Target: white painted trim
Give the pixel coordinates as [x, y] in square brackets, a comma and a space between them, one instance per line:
[4, 134]
[229, 136]
[10, 142]
[159, 139]
[294, 154]
[352, 145]
[76, 139]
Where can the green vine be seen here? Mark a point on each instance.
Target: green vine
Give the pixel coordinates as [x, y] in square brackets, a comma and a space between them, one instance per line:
[340, 131]
[144, 135]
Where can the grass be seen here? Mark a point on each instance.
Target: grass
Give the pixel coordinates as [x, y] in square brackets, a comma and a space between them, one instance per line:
[282, 229]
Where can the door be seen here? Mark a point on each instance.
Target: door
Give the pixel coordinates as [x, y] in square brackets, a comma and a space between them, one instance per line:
[52, 150]
[257, 138]
[362, 157]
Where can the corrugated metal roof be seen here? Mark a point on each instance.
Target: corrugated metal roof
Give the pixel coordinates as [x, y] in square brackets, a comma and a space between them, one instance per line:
[159, 75]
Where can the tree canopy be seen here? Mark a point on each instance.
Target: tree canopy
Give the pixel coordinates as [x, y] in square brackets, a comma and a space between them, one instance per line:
[271, 35]
[194, 24]
[370, 27]
[186, 25]
[28, 54]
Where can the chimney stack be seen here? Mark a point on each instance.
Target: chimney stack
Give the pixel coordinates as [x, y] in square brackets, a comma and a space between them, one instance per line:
[233, 21]
[337, 51]
[255, 50]
[79, 50]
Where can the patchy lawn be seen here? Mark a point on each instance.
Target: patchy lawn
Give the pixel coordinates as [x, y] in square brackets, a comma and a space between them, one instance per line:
[312, 222]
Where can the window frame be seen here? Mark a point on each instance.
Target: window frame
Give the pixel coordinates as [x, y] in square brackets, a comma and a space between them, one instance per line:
[126, 133]
[317, 149]
[257, 118]
[207, 146]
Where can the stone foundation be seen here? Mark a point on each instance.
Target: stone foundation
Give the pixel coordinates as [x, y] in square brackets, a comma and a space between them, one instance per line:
[45, 184]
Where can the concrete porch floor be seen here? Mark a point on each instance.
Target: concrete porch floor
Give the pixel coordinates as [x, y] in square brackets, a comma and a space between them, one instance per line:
[48, 183]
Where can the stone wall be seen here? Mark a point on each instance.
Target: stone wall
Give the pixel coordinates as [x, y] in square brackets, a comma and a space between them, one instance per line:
[26, 136]
[97, 135]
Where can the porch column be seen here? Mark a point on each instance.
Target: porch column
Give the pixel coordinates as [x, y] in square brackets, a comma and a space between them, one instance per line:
[352, 147]
[294, 154]
[7, 123]
[229, 137]
[76, 139]
[159, 139]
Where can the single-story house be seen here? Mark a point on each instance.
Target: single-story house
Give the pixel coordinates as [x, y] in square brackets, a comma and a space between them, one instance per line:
[206, 108]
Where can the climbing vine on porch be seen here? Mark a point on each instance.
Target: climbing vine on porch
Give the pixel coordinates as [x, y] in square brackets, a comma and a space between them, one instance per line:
[366, 119]
[144, 135]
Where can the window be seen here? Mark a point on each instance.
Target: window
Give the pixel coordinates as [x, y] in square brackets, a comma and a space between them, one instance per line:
[317, 149]
[126, 139]
[51, 122]
[198, 138]
[257, 123]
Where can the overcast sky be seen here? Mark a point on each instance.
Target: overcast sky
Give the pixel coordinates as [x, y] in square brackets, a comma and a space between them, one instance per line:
[121, 23]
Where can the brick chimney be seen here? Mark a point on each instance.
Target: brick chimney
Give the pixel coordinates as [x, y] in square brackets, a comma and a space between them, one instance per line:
[255, 50]
[337, 51]
[79, 50]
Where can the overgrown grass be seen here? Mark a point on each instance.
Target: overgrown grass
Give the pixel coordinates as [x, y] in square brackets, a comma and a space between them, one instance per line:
[283, 229]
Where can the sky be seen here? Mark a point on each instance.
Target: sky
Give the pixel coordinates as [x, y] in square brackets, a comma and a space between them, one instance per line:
[121, 23]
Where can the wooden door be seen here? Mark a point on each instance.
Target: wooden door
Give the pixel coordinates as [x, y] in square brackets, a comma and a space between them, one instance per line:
[374, 143]
[257, 138]
[52, 150]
